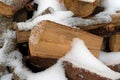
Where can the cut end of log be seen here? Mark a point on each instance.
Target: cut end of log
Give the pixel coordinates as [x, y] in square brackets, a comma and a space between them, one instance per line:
[80, 7]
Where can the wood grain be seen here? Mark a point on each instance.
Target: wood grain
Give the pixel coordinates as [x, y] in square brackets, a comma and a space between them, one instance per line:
[81, 8]
[52, 40]
[114, 43]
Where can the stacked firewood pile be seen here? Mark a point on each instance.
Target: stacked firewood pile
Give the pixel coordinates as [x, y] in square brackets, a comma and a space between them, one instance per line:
[48, 41]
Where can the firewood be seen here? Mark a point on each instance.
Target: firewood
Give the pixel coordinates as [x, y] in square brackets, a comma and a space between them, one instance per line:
[11, 9]
[74, 73]
[51, 40]
[81, 8]
[22, 36]
[114, 43]
[6, 10]
[37, 64]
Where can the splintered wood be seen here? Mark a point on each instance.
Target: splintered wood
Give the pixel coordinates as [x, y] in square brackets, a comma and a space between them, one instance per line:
[81, 8]
[115, 43]
[52, 40]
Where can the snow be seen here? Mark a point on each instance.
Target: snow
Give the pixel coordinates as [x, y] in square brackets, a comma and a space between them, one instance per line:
[111, 6]
[56, 72]
[60, 15]
[80, 22]
[9, 41]
[7, 37]
[110, 58]
[7, 77]
[81, 57]
[2, 57]
[44, 4]
[56, 17]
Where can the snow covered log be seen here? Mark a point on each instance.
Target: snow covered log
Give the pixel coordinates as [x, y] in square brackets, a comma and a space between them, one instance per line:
[114, 43]
[9, 8]
[74, 73]
[115, 22]
[37, 64]
[51, 40]
[111, 59]
[80, 7]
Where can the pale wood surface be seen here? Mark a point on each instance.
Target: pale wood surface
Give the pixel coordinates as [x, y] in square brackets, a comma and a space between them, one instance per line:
[22, 36]
[52, 40]
[115, 43]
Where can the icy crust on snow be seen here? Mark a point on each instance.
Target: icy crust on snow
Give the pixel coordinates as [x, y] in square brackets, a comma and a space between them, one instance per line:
[110, 58]
[81, 57]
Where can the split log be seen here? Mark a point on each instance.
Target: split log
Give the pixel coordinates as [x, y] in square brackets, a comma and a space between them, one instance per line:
[114, 43]
[51, 40]
[9, 9]
[74, 73]
[81, 8]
